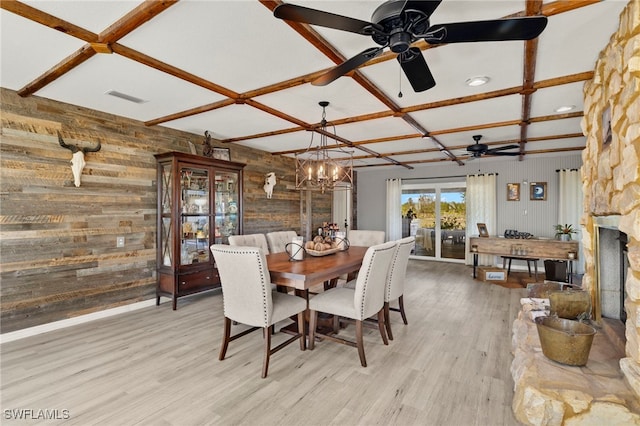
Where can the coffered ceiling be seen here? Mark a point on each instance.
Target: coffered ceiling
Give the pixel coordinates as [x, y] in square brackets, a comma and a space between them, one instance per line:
[232, 68]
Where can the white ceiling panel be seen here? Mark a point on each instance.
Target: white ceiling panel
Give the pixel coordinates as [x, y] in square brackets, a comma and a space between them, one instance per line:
[573, 40]
[302, 101]
[29, 49]
[234, 43]
[495, 110]
[87, 84]
[92, 15]
[555, 127]
[545, 102]
[230, 122]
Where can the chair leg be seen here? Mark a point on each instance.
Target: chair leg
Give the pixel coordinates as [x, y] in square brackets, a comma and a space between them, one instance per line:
[313, 317]
[360, 343]
[336, 323]
[267, 350]
[303, 341]
[225, 338]
[401, 306]
[381, 326]
[387, 320]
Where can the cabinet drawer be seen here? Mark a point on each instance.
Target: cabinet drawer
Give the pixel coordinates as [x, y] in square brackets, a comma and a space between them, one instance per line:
[198, 280]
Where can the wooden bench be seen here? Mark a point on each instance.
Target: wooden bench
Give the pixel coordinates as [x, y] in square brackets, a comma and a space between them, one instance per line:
[528, 259]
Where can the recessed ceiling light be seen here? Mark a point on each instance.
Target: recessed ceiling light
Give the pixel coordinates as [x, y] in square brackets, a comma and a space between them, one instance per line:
[125, 97]
[477, 81]
[565, 108]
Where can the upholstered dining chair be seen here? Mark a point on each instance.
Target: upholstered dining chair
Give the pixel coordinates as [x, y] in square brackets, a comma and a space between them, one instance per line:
[279, 239]
[359, 303]
[248, 298]
[365, 238]
[250, 240]
[362, 238]
[395, 281]
[394, 289]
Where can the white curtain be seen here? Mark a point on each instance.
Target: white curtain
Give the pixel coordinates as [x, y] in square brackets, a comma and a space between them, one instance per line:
[570, 207]
[481, 208]
[394, 209]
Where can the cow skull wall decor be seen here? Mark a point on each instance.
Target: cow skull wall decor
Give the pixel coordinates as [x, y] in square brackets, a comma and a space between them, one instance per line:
[77, 161]
[269, 183]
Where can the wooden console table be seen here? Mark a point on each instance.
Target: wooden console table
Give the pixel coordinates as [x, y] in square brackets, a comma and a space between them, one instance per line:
[535, 248]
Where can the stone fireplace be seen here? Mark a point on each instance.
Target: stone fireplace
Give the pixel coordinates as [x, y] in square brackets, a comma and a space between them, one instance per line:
[607, 389]
[611, 173]
[611, 266]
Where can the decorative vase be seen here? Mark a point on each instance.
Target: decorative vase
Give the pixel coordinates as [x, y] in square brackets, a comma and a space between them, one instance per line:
[565, 237]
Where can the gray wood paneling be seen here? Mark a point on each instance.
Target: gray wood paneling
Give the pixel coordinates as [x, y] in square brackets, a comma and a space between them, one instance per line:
[58, 242]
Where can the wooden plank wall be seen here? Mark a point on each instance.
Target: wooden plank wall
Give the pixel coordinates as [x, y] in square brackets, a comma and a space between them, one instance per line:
[58, 254]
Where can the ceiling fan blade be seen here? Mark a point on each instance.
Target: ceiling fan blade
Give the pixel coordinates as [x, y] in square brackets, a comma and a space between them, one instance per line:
[502, 148]
[347, 66]
[524, 28]
[501, 153]
[416, 69]
[292, 12]
[426, 7]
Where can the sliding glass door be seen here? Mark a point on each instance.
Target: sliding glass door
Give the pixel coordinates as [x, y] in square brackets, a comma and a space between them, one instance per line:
[435, 213]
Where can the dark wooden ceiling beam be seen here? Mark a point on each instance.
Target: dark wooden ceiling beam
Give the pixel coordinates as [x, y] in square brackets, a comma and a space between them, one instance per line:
[533, 8]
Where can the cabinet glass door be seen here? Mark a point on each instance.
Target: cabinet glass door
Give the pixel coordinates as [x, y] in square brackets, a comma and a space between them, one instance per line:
[166, 203]
[194, 215]
[227, 206]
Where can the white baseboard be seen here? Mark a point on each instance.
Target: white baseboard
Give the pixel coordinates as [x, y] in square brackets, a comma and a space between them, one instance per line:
[56, 325]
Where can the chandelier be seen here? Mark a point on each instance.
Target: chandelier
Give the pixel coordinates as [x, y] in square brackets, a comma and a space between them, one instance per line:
[324, 168]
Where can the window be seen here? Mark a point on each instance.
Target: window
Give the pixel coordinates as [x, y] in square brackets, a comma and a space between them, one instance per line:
[435, 213]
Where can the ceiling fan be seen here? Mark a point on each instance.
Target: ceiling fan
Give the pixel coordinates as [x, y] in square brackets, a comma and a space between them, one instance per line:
[399, 23]
[478, 149]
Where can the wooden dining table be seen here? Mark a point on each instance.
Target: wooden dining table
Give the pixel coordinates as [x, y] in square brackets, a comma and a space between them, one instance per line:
[313, 270]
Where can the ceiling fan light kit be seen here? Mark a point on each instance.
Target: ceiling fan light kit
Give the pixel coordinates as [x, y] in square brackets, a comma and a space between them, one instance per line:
[397, 24]
[323, 168]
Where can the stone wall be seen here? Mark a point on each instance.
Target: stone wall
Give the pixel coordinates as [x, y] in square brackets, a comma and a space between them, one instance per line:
[607, 389]
[611, 171]
[58, 243]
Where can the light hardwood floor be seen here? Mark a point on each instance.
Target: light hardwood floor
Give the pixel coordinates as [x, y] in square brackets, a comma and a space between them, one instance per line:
[155, 366]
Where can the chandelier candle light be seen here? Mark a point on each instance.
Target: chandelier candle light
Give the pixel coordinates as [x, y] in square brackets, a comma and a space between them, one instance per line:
[323, 168]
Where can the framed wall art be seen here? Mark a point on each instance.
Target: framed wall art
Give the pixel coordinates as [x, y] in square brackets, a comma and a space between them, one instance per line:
[513, 192]
[222, 154]
[538, 191]
[482, 230]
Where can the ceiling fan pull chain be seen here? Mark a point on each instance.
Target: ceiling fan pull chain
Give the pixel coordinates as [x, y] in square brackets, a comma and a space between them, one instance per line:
[400, 81]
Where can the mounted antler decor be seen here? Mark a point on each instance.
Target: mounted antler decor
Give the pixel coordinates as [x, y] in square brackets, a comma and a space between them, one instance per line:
[207, 151]
[77, 161]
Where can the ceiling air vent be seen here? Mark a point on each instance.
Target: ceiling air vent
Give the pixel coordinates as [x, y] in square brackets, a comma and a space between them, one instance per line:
[125, 97]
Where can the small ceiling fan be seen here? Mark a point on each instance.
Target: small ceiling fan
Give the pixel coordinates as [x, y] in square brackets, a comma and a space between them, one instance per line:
[478, 149]
[399, 23]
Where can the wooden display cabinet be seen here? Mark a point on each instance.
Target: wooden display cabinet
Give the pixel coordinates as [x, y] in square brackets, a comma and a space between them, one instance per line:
[199, 204]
